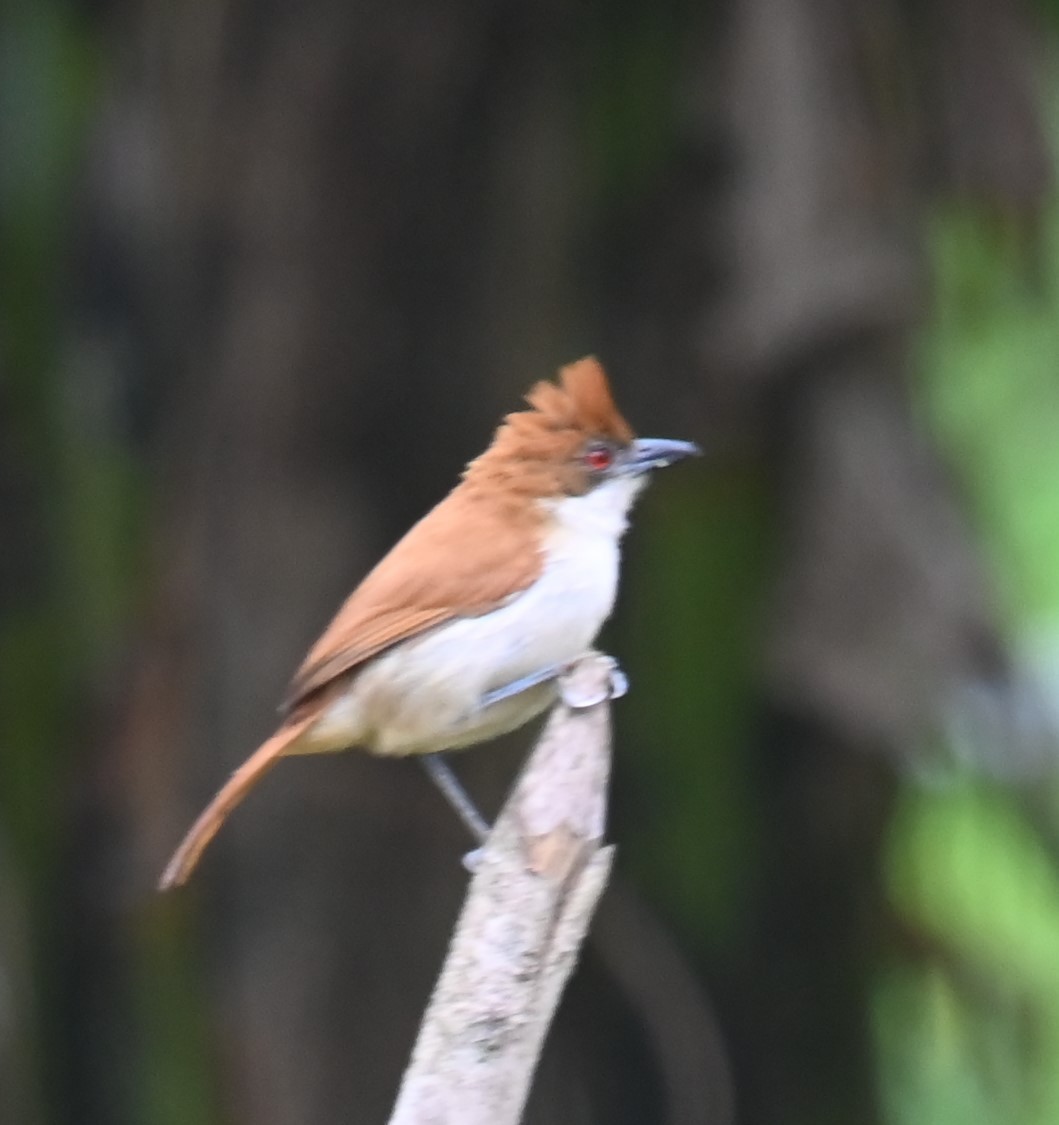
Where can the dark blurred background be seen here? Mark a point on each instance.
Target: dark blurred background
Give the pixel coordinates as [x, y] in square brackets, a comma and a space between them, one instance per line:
[269, 274]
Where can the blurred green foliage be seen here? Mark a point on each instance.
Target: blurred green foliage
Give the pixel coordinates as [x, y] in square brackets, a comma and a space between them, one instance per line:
[989, 364]
[970, 1030]
[68, 459]
[46, 68]
[700, 562]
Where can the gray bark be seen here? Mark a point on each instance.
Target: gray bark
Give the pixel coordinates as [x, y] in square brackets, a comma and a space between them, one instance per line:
[537, 881]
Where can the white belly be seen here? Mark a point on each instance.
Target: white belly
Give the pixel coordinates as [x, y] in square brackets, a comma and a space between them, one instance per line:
[425, 694]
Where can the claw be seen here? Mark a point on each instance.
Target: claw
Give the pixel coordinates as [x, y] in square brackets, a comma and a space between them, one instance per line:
[579, 695]
[473, 860]
[619, 683]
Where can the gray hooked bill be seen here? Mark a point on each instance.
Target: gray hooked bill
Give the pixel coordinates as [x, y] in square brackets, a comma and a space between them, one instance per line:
[657, 453]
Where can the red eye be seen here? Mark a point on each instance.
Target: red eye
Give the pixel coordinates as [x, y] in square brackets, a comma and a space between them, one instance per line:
[599, 458]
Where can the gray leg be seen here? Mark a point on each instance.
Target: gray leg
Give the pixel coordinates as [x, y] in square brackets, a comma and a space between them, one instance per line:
[516, 687]
[441, 774]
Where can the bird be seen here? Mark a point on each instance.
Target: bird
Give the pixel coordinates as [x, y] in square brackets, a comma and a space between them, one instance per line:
[461, 632]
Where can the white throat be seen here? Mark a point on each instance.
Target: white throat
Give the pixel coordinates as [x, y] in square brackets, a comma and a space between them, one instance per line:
[603, 512]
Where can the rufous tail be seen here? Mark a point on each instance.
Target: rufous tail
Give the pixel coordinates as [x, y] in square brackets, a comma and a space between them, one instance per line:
[187, 856]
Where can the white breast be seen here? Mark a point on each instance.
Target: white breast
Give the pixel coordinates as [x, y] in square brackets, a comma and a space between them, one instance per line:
[423, 695]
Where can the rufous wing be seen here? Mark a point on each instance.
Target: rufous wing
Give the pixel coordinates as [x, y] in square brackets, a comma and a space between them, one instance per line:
[482, 544]
[466, 558]
[463, 560]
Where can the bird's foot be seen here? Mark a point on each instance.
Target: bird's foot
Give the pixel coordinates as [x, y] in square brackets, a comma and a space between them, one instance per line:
[586, 687]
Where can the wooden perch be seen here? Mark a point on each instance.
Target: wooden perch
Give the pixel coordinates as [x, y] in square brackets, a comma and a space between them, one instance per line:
[537, 881]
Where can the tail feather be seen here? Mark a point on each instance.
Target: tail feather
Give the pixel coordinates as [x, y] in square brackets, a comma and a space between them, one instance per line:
[187, 856]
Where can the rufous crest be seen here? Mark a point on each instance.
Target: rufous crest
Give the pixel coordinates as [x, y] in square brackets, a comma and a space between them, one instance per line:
[536, 452]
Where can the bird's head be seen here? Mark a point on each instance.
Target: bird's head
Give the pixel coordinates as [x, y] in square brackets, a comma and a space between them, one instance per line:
[572, 442]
